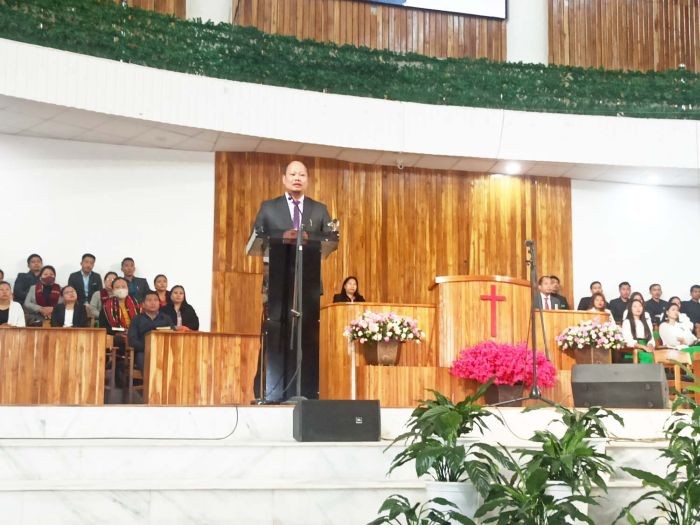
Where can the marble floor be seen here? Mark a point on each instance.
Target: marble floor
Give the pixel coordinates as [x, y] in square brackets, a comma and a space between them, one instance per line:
[235, 465]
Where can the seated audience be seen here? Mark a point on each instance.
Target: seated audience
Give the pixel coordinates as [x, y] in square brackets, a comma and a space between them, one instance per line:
[349, 292]
[25, 281]
[691, 308]
[86, 282]
[71, 313]
[180, 311]
[160, 283]
[101, 296]
[655, 305]
[11, 313]
[148, 320]
[585, 302]
[638, 297]
[138, 286]
[119, 310]
[618, 306]
[556, 289]
[598, 305]
[683, 319]
[673, 333]
[42, 297]
[544, 299]
[637, 331]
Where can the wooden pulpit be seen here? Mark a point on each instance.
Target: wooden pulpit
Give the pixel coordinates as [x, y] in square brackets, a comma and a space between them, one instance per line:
[476, 308]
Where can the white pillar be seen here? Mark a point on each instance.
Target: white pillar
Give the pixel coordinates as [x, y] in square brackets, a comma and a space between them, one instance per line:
[527, 31]
[214, 10]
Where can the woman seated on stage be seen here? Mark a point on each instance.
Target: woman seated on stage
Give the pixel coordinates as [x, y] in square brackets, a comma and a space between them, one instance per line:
[160, 283]
[638, 296]
[637, 331]
[42, 297]
[683, 319]
[118, 310]
[69, 314]
[673, 333]
[180, 311]
[598, 305]
[349, 292]
[100, 296]
[11, 313]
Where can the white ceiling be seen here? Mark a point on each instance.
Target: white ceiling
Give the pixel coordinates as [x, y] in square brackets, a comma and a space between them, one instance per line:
[36, 119]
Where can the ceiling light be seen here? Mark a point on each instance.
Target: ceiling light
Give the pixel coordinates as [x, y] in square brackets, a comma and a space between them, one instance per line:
[513, 168]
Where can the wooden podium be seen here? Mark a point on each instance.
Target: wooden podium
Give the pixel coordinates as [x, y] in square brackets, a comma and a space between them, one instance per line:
[475, 308]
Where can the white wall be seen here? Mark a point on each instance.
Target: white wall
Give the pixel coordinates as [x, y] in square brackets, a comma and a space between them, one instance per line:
[61, 199]
[635, 233]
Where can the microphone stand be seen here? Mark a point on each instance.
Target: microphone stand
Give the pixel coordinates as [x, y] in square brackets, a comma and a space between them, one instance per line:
[297, 312]
[535, 392]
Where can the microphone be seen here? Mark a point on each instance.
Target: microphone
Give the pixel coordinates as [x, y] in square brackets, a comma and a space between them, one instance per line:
[529, 243]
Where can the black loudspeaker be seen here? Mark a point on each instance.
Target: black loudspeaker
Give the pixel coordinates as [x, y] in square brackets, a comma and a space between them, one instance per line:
[332, 420]
[620, 386]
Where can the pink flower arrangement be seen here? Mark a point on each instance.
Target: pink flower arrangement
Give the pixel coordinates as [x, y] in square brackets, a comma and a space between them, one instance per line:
[508, 364]
[592, 334]
[385, 327]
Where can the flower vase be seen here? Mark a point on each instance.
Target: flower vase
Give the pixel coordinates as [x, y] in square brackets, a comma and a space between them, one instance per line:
[592, 355]
[501, 394]
[381, 353]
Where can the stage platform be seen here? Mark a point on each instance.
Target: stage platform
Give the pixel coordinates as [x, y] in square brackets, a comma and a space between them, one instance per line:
[235, 465]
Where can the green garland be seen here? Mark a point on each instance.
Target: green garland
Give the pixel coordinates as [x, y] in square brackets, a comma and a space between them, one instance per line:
[104, 29]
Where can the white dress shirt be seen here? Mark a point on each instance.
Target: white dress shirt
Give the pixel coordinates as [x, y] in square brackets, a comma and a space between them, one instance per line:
[672, 333]
[68, 319]
[627, 332]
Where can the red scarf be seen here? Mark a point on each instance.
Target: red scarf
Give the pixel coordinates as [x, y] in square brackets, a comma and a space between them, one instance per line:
[54, 297]
[114, 313]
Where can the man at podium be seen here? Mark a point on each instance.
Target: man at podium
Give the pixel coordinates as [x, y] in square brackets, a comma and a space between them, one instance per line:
[278, 220]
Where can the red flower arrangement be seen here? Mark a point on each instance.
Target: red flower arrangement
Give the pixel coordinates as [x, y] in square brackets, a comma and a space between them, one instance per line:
[508, 364]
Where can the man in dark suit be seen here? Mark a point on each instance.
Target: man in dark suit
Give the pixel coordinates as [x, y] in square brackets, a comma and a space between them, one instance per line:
[25, 281]
[283, 215]
[585, 302]
[556, 288]
[619, 304]
[86, 282]
[138, 286]
[545, 299]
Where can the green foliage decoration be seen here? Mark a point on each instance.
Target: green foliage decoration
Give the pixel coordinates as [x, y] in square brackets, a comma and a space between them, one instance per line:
[102, 28]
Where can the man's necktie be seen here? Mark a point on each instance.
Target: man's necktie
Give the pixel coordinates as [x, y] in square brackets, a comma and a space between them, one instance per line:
[297, 214]
[546, 303]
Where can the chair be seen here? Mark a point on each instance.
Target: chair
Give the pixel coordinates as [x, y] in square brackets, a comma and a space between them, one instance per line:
[132, 374]
[112, 353]
[672, 359]
[617, 355]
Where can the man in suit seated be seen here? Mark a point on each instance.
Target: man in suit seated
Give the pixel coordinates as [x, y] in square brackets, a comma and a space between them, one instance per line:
[619, 304]
[138, 286]
[585, 303]
[25, 281]
[545, 300]
[85, 281]
[691, 308]
[148, 320]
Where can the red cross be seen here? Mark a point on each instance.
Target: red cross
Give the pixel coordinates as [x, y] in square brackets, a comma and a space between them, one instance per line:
[493, 298]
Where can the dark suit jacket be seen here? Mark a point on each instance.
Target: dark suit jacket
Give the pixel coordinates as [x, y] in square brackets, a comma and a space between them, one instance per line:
[94, 284]
[274, 215]
[343, 298]
[554, 302]
[22, 285]
[58, 316]
[189, 316]
[562, 300]
[141, 288]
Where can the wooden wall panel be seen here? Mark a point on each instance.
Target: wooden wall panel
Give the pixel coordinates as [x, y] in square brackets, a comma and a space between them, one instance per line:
[400, 228]
[625, 34]
[361, 23]
[52, 366]
[168, 7]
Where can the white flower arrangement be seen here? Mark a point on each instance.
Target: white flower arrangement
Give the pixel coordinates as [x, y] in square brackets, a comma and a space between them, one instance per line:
[592, 334]
[385, 327]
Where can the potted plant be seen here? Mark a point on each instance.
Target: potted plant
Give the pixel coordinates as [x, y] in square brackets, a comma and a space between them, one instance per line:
[591, 342]
[510, 367]
[398, 511]
[381, 334]
[522, 499]
[433, 444]
[590, 422]
[677, 494]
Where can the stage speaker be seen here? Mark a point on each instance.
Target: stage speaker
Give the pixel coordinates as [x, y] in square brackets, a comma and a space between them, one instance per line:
[620, 386]
[336, 420]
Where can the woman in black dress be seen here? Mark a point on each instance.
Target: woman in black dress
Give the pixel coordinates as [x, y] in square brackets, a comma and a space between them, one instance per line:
[180, 311]
[350, 292]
